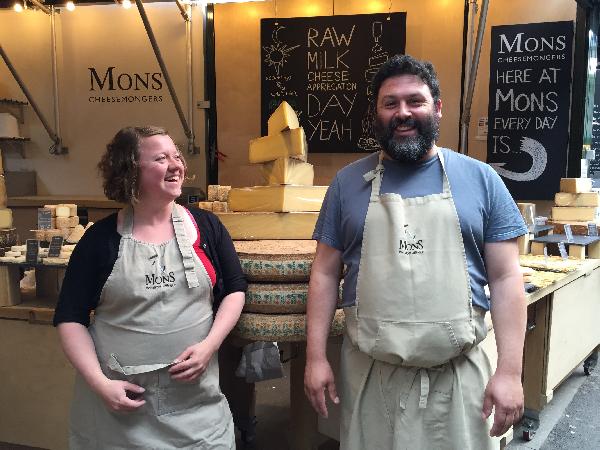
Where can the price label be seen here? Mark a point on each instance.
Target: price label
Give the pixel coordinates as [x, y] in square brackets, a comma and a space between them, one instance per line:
[568, 232]
[540, 221]
[32, 248]
[545, 256]
[563, 251]
[55, 245]
[592, 229]
[44, 218]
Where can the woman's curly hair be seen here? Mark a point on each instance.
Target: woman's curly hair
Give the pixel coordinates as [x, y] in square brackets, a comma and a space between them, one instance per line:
[119, 166]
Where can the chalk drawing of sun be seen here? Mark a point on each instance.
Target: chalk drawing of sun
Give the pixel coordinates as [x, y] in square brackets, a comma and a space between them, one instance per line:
[276, 54]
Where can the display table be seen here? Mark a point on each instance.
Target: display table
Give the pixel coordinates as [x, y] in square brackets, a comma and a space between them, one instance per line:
[37, 380]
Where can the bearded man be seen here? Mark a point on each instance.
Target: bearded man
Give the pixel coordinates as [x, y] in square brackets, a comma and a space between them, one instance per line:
[419, 231]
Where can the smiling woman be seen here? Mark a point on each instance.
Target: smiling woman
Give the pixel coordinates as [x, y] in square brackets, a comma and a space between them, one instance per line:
[151, 273]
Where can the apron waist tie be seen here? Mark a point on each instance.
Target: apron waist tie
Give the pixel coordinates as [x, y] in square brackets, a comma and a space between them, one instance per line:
[424, 388]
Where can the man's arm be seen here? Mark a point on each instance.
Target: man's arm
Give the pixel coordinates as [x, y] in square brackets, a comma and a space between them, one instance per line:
[322, 298]
[509, 315]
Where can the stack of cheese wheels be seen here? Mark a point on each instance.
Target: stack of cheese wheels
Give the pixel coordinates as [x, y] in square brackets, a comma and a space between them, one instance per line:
[8, 234]
[217, 196]
[278, 273]
[65, 223]
[577, 205]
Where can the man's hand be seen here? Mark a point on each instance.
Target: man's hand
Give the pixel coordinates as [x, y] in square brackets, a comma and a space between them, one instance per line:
[192, 362]
[120, 395]
[318, 377]
[505, 394]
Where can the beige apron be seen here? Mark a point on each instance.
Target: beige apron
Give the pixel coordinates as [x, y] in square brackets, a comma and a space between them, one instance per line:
[156, 302]
[413, 375]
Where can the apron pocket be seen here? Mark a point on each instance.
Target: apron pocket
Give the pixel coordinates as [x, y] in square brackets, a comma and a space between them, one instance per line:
[176, 396]
[424, 344]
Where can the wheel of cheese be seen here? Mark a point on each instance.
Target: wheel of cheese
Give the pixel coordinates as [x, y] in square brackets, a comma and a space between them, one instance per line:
[278, 298]
[280, 327]
[276, 260]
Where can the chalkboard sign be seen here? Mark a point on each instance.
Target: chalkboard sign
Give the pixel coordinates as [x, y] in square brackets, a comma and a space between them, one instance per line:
[594, 165]
[529, 101]
[323, 67]
[55, 246]
[44, 218]
[32, 249]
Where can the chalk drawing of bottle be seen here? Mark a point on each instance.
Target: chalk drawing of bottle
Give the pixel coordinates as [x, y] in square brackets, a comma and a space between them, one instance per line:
[367, 141]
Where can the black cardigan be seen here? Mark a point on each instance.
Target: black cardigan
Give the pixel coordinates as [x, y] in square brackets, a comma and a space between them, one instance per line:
[94, 256]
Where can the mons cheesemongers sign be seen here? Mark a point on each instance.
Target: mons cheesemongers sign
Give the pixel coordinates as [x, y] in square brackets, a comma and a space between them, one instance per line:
[110, 85]
[529, 100]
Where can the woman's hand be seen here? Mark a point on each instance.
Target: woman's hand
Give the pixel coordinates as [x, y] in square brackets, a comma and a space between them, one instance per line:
[120, 395]
[192, 362]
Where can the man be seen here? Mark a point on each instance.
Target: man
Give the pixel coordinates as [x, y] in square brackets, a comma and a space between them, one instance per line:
[418, 230]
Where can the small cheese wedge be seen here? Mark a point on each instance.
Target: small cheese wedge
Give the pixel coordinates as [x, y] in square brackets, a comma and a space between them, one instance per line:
[575, 214]
[583, 199]
[575, 185]
[287, 144]
[277, 198]
[208, 206]
[6, 218]
[213, 193]
[220, 207]
[283, 118]
[288, 171]
[223, 193]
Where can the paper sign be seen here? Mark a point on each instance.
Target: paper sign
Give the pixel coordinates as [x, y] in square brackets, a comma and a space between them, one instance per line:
[563, 251]
[568, 232]
[592, 229]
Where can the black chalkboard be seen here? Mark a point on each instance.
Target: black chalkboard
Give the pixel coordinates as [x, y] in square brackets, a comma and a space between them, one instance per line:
[594, 165]
[529, 101]
[322, 66]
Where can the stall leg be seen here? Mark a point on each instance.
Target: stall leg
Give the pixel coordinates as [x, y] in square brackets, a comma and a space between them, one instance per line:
[529, 424]
[10, 291]
[590, 363]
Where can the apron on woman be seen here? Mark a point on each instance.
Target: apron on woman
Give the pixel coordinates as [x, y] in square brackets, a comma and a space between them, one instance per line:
[156, 302]
[413, 376]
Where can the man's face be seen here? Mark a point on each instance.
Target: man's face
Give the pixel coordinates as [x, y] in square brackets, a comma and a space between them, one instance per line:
[407, 121]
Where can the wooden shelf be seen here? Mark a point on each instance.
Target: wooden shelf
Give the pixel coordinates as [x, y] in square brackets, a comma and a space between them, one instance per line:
[11, 105]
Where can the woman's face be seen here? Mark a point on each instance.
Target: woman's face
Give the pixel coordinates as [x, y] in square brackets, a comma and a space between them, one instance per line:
[161, 169]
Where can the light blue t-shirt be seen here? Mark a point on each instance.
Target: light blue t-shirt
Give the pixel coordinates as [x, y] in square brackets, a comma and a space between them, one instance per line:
[486, 210]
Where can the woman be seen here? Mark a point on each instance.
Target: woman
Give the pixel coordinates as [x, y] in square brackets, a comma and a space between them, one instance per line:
[147, 369]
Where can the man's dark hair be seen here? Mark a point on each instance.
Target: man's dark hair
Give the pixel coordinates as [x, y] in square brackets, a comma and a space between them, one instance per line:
[406, 65]
[119, 165]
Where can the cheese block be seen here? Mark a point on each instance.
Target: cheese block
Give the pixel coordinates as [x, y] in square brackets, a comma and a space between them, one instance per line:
[6, 218]
[3, 198]
[575, 185]
[76, 234]
[220, 207]
[72, 208]
[583, 199]
[576, 214]
[40, 235]
[9, 127]
[52, 233]
[223, 193]
[283, 118]
[63, 222]
[73, 221]
[288, 171]
[63, 211]
[208, 206]
[578, 228]
[266, 225]
[287, 144]
[213, 193]
[277, 198]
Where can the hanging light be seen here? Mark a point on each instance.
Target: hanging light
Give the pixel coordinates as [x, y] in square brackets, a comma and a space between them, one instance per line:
[18, 7]
[70, 6]
[126, 4]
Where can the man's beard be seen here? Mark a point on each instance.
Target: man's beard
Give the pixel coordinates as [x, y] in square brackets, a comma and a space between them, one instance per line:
[407, 149]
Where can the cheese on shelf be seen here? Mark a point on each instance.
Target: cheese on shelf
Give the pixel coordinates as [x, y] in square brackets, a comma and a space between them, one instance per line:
[269, 225]
[223, 193]
[576, 214]
[63, 211]
[583, 199]
[575, 185]
[283, 118]
[288, 171]
[6, 218]
[277, 198]
[289, 143]
[212, 192]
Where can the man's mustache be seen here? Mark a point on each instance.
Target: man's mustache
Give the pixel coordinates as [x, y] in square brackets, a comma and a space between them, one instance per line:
[397, 121]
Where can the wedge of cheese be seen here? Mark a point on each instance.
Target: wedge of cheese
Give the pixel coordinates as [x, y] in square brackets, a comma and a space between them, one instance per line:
[287, 144]
[288, 171]
[283, 118]
[575, 185]
[575, 214]
[277, 198]
[6, 218]
[269, 225]
[583, 199]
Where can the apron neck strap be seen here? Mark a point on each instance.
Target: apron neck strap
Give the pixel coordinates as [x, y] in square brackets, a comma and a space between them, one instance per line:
[127, 230]
[445, 181]
[185, 248]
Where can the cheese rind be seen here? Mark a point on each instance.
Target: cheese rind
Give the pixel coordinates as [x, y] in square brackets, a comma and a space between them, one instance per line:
[277, 198]
[575, 185]
[283, 118]
[269, 225]
[576, 214]
[583, 199]
[287, 144]
[6, 218]
[288, 171]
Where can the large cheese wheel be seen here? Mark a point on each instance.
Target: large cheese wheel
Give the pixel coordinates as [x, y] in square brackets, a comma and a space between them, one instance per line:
[3, 198]
[280, 327]
[276, 260]
[278, 298]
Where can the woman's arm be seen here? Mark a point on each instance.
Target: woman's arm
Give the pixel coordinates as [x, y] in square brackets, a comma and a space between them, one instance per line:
[80, 351]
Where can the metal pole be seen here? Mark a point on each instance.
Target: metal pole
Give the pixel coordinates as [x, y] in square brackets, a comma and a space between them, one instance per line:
[187, 15]
[190, 81]
[29, 97]
[56, 149]
[163, 68]
[41, 6]
[466, 117]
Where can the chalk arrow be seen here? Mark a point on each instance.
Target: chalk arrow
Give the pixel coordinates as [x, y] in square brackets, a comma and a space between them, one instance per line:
[539, 159]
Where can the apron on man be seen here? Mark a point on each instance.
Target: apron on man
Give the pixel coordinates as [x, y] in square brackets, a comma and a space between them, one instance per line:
[413, 375]
[156, 302]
